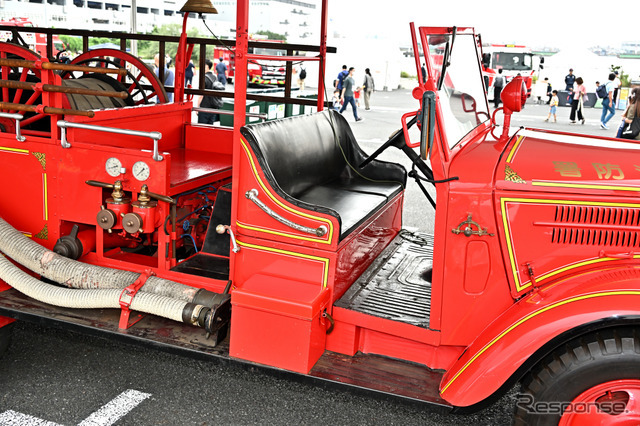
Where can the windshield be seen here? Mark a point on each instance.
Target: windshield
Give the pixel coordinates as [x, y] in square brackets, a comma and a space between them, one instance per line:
[512, 61]
[270, 52]
[462, 96]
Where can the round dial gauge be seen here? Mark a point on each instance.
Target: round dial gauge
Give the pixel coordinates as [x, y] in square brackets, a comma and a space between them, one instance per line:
[113, 166]
[141, 171]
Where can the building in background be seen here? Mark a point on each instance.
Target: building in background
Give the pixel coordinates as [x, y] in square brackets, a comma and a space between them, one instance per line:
[297, 20]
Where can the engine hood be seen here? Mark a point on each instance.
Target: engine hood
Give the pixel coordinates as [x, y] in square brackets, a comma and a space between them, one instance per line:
[546, 161]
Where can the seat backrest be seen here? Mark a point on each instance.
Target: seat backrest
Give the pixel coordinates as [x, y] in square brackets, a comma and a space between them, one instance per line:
[299, 152]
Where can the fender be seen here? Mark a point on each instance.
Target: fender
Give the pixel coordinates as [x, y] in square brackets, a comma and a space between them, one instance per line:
[546, 313]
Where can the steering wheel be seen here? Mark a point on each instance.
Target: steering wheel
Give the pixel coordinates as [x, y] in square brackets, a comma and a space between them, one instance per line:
[397, 139]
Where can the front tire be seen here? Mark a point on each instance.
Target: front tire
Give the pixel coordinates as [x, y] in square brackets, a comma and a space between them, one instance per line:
[594, 379]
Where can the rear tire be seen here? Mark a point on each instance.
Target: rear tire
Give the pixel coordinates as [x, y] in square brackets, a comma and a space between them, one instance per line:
[5, 338]
[582, 380]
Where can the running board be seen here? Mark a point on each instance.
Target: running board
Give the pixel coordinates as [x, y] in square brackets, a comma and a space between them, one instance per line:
[373, 375]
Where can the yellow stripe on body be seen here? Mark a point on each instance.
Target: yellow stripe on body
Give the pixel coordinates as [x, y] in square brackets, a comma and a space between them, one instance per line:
[514, 268]
[528, 317]
[275, 200]
[324, 260]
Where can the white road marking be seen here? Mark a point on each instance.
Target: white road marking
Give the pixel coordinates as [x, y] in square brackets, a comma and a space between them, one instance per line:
[13, 418]
[105, 416]
[117, 408]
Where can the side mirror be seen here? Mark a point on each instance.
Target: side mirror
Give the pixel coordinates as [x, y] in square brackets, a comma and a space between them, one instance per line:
[486, 59]
[427, 123]
[514, 95]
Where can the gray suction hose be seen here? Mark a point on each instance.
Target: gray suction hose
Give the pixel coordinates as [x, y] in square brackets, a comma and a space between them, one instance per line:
[87, 299]
[80, 275]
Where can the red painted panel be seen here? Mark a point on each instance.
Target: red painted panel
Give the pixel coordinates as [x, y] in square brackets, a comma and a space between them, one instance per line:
[560, 162]
[554, 236]
[206, 138]
[26, 189]
[435, 357]
[281, 260]
[477, 268]
[190, 166]
[167, 119]
[277, 322]
[364, 245]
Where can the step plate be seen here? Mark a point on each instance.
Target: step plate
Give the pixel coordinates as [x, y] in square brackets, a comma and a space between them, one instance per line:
[397, 286]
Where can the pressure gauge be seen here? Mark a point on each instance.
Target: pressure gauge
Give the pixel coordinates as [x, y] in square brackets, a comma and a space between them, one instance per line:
[141, 171]
[113, 166]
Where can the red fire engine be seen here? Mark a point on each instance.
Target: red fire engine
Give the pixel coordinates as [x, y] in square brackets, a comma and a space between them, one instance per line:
[280, 244]
[261, 73]
[514, 60]
[33, 40]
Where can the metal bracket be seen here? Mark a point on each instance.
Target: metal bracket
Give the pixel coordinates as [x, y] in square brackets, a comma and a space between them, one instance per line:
[126, 298]
[16, 117]
[253, 196]
[467, 231]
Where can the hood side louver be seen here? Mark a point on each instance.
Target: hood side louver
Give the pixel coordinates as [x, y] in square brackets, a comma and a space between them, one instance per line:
[600, 226]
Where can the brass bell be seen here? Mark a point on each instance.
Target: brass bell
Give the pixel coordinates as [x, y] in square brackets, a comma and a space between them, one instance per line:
[198, 6]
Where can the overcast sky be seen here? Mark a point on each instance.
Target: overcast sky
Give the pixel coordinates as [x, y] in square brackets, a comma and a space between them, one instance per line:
[535, 23]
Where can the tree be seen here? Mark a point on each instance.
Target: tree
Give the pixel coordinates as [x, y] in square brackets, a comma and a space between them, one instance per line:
[624, 78]
[272, 36]
[148, 49]
[72, 43]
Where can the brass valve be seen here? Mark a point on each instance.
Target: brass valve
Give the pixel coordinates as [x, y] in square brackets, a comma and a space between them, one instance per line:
[143, 197]
[118, 194]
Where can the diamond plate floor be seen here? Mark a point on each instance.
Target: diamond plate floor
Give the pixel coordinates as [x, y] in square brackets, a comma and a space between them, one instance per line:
[397, 285]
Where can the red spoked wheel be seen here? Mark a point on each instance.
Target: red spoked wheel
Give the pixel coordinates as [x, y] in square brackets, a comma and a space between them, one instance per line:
[140, 81]
[591, 380]
[20, 96]
[616, 402]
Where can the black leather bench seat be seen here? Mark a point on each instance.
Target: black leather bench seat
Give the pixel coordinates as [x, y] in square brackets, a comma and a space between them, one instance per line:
[386, 189]
[352, 206]
[313, 161]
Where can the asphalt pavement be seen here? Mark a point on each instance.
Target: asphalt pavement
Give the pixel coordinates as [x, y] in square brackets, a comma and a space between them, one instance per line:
[51, 376]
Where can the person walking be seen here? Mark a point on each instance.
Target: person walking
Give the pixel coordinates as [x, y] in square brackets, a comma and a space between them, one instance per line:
[369, 87]
[498, 84]
[302, 74]
[347, 94]
[608, 110]
[577, 101]
[221, 70]
[553, 107]
[549, 90]
[213, 102]
[616, 88]
[169, 76]
[188, 73]
[340, 79]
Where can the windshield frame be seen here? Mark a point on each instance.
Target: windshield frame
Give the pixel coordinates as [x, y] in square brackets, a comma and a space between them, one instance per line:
[463, 79]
